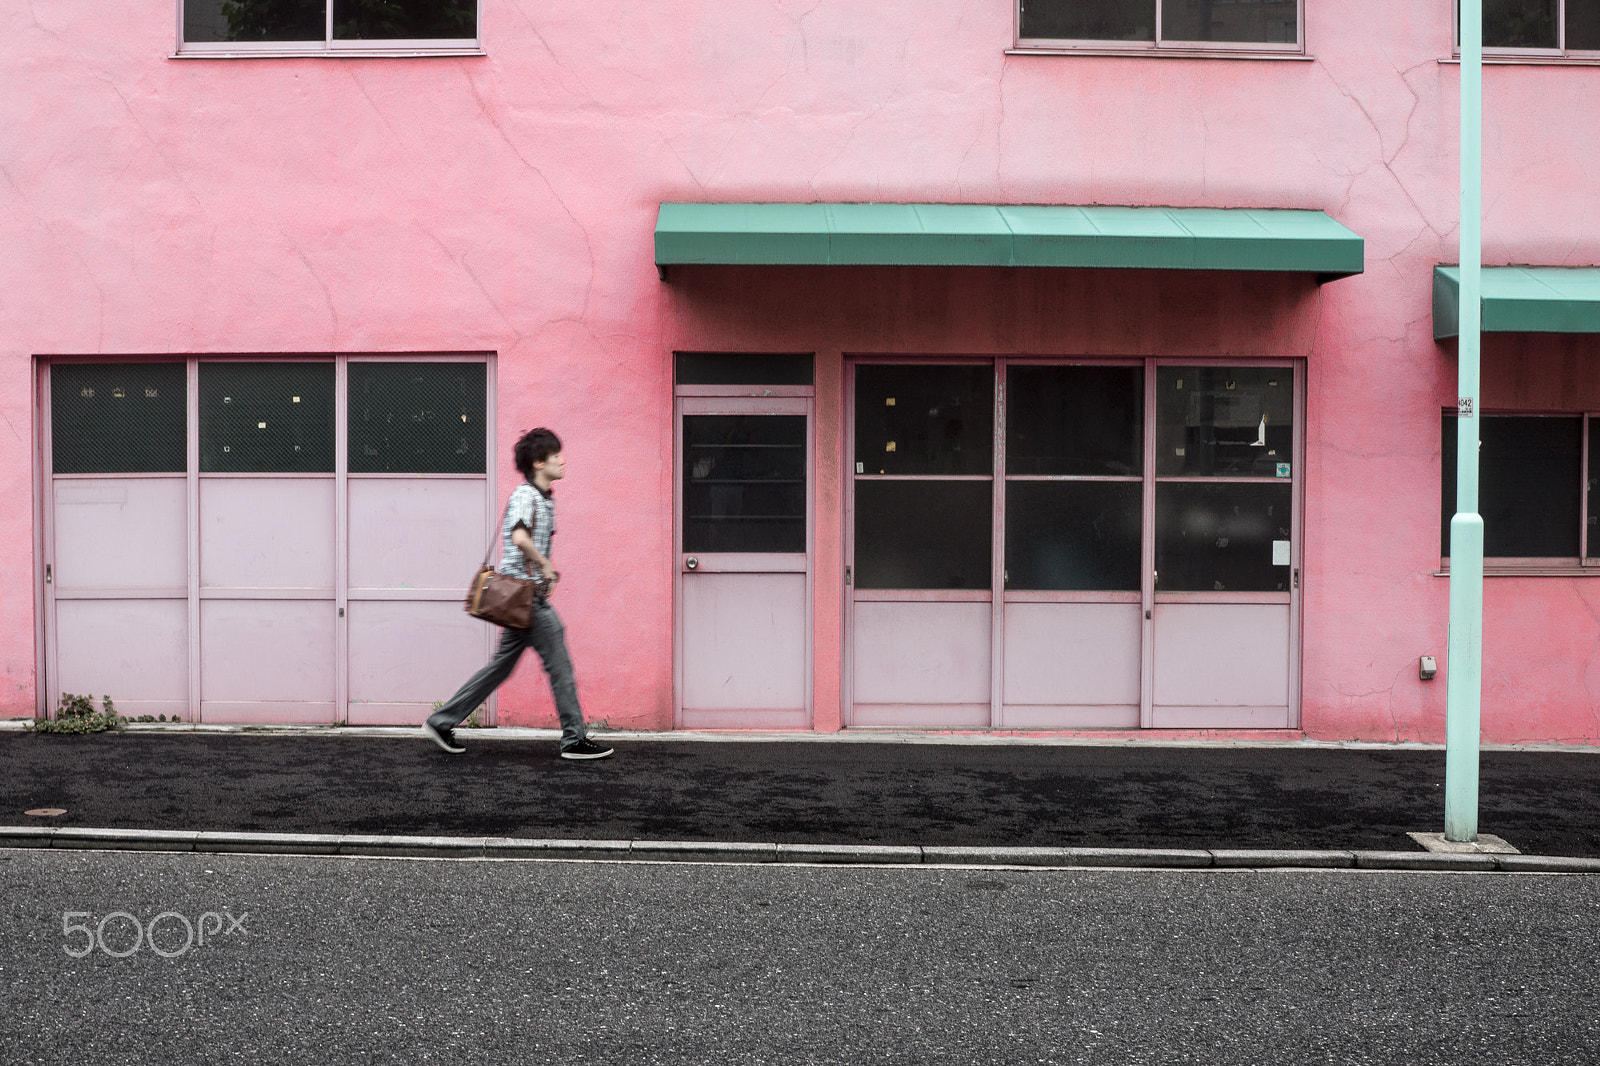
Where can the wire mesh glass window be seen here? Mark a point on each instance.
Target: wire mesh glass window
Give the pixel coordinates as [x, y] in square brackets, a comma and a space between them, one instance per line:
[264, 418]
[418, 418]
[118, 418]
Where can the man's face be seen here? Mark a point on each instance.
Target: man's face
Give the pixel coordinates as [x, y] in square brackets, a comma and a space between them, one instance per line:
[554, 467]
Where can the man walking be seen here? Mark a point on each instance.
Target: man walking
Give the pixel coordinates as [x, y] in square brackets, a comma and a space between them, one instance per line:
[525, 532]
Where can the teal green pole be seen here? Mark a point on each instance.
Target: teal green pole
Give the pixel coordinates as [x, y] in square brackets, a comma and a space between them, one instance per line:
[1464, 676]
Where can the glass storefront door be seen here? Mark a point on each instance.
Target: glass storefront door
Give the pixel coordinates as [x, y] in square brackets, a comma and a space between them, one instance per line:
[1136, 519]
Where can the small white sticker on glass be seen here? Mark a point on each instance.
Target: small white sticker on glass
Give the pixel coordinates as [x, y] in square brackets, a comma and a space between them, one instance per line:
[1280, 553]
[861, 468]
[889, 447]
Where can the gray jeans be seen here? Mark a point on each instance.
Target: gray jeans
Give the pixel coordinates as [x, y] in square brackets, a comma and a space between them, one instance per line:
[547, 636]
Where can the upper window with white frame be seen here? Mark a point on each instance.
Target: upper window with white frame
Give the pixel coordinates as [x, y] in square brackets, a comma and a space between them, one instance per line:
[1538, 29]
[1184, 26]
[334, 27]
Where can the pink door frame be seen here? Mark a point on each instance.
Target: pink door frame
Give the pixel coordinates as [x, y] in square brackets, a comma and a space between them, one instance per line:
[1148, 597]
[45, 480]
[743, 400]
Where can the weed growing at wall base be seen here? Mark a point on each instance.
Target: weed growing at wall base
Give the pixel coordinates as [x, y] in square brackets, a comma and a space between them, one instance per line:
[76, 714]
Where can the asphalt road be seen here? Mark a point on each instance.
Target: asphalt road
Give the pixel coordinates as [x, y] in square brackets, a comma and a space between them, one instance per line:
[417, 961]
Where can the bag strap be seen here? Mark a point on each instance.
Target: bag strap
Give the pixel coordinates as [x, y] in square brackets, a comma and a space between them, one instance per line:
[498, 531]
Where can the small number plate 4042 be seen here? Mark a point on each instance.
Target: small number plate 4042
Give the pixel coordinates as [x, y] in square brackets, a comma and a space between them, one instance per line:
[1464, 407]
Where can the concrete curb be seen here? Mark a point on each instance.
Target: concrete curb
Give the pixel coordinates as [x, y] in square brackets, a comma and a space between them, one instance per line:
[700, 851]
[1278, 738]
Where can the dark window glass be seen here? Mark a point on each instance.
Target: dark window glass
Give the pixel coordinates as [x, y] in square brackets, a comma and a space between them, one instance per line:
[924, 420]
[923, 534]
[1518, 24]
[263, 418]
[1583, 25]
[118, 418]
[1089, 20]
[400, 20]
[417, 418]
[1072, 534]
[1224, 421]
[1243, 21]
[1074, 420]
[744, 483]
[306, 20]
[1218, 537]
[1528, 485]
[724, 368]
[254, 20]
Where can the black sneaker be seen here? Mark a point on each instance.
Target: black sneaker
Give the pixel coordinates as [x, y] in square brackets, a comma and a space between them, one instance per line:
[586, 749]
[445, 738]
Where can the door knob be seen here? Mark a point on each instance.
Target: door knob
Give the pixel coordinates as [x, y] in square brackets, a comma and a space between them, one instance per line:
[691, 562]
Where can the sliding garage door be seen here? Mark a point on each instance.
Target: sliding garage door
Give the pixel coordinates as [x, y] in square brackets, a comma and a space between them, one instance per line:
[254, 540]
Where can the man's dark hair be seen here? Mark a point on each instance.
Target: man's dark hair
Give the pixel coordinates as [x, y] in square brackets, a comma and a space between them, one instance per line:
[536, 446]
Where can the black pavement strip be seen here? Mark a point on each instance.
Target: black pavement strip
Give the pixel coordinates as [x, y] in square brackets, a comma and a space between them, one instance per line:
[979, 795]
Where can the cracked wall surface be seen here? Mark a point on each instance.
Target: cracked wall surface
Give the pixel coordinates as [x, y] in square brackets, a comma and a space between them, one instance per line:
[506, 203]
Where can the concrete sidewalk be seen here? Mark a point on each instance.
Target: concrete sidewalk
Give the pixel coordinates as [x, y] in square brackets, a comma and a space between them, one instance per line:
[866, 797]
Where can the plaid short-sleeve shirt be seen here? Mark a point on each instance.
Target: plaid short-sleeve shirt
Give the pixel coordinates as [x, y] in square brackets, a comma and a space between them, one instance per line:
[534, 511]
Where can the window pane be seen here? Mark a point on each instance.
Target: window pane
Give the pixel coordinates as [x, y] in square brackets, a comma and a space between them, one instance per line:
[724, 368]
[744, 483]
[1518, 24]
[1583, 25]
[923, 534]
[254, 20]
[1224, 421]
[1244, 21]
[1089, 20]
[925, 419]
[264, 418]
[1528, 474]
[118, 418]
[1073, 534]
[1594, 492]
[1074, 420]
[401, 20]
[1217, 537]
[417, 418]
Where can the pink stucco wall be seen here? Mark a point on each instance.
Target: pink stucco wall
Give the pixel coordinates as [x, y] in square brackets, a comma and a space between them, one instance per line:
[506, 203]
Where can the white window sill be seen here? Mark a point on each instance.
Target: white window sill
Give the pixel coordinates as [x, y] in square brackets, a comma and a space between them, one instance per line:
[1162, 53]
[1572, 569]
[1589, 60]
[341, 53]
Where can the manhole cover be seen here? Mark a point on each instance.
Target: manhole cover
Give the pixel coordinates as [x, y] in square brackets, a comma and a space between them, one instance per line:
[46, 812]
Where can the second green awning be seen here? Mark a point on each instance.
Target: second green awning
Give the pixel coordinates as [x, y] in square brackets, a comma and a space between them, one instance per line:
[1018, 235]
[1522, 299]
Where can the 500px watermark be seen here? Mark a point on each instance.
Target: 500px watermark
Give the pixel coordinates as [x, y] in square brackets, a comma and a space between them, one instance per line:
[169, 934]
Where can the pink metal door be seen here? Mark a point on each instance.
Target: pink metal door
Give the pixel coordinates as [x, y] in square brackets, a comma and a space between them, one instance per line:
[744, 565]
[115, 517]
[418, 514]
[269, 622]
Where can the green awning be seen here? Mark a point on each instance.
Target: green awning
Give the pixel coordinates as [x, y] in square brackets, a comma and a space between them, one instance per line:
[1020, 235]
[1522, 299]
